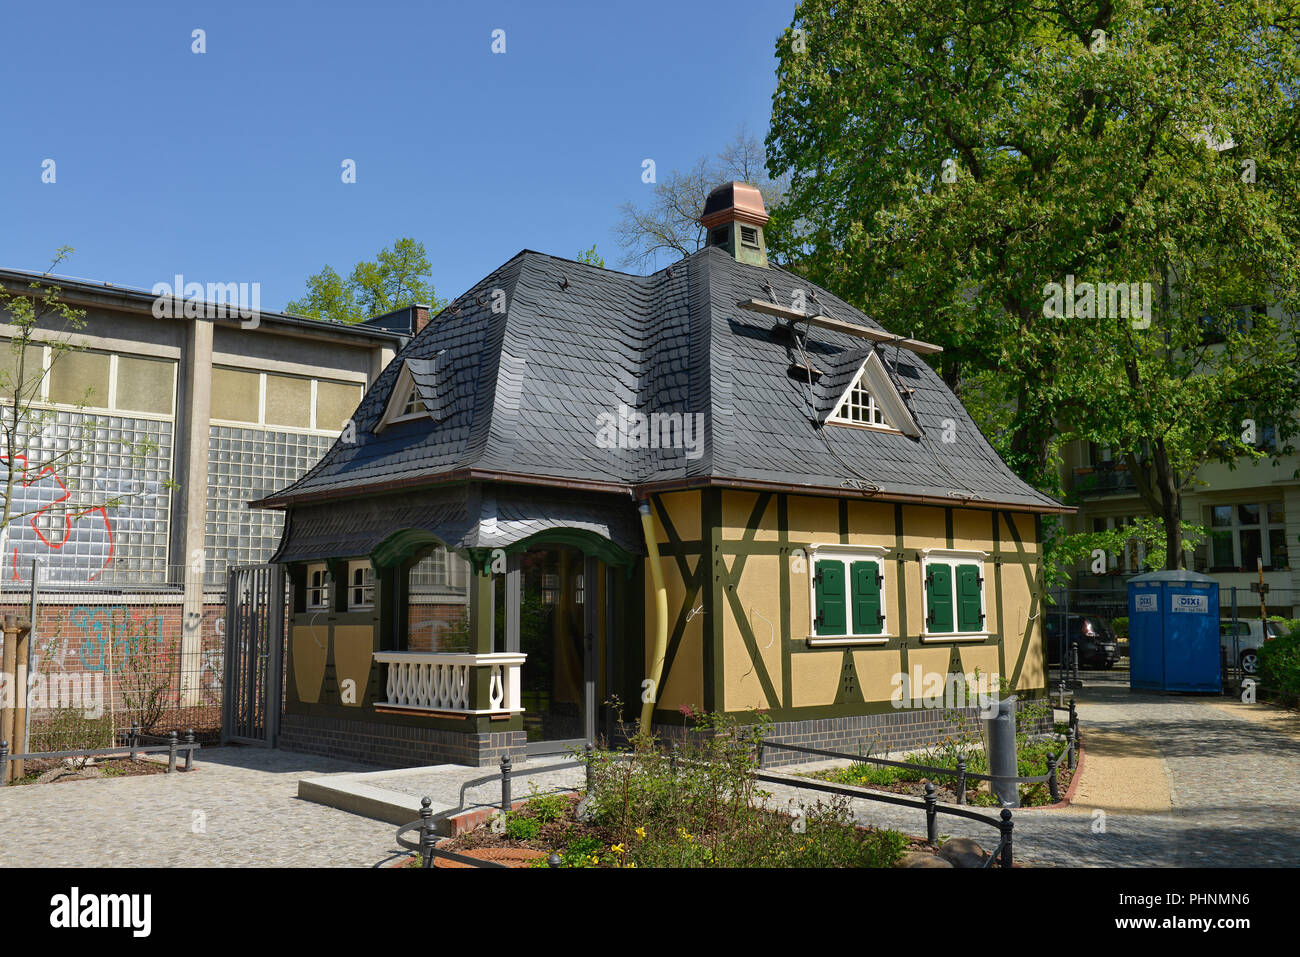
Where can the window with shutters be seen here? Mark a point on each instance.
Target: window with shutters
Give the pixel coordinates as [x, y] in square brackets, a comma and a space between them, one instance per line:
[848, 595]
[954, 595]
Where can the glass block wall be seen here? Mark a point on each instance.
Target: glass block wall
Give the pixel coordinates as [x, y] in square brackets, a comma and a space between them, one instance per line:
[70, 521]
[246, 464]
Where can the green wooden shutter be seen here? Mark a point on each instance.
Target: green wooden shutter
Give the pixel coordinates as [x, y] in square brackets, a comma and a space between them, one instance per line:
[832, 607]
[938, 595]
[970, 588]
[866, 598]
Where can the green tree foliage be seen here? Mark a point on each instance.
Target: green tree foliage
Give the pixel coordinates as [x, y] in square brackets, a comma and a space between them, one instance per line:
[949, 160]
[397, 277]
[591, 257]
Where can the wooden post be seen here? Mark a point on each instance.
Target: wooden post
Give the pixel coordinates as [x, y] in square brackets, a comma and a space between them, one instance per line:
[22, 645]
[9, 691]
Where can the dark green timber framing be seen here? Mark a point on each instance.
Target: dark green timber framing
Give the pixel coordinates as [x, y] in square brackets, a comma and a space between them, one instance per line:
[711, 586]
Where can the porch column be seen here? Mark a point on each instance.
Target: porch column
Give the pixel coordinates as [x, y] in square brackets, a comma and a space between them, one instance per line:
[481, 611]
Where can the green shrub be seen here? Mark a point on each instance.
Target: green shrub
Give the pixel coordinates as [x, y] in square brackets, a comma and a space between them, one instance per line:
[521, 828]
[1120, 627]
[1279, 665]
[547, 807]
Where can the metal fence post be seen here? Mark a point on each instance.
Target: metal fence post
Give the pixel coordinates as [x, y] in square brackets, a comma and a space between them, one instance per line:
[427, 836]
[4, 763]
[189, 753]
[931, 815]
[506, 766]
[672, 757]
[961, 779]
[1005, 827]
[134, 739]
[589, 754]
[171, 752]
[1052, 785]
[1072, 755]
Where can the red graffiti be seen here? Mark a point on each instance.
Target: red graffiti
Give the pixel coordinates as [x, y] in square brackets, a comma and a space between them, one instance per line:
[67, 518]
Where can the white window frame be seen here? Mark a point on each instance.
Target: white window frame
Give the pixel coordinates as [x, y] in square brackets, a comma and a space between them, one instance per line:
[367, 586]
[399, 400]
[873, 378]
[847, 554]
[952, 558]
[1264, 526]
[323, 588]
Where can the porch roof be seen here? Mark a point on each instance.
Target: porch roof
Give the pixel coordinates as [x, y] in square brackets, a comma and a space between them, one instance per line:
[466, 516]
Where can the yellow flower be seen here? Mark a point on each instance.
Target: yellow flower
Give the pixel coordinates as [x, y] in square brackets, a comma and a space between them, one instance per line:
[630, 864]
[640, 832]
[618, 848]
[682, 832]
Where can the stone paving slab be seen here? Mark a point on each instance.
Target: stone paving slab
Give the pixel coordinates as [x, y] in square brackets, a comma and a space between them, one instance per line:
[395, 796]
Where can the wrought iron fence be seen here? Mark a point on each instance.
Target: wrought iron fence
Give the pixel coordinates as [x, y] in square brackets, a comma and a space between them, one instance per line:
[12, 766]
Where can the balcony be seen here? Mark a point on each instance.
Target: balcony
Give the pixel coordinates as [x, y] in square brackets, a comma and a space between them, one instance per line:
[1103, 479]
[451, 684]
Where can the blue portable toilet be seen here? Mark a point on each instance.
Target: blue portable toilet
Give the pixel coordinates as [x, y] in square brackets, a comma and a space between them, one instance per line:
[1173, 627]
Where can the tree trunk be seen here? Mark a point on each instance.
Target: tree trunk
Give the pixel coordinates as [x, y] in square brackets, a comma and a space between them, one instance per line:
[1175, 557]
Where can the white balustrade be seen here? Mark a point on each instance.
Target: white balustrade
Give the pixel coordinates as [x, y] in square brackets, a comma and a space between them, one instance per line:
[438, 681]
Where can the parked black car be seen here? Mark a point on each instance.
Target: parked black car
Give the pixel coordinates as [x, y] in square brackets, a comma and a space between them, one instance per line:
[1093, 635]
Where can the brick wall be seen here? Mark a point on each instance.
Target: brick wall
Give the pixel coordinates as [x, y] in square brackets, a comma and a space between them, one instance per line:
[396, 746]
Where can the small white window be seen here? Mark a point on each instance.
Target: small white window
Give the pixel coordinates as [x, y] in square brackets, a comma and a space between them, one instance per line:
[872, 402]
[413, 405]
[361, 586]
[318, 587]
[860, 408]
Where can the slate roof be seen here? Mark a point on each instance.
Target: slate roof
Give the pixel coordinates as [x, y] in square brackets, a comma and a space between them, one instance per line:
[520, 393]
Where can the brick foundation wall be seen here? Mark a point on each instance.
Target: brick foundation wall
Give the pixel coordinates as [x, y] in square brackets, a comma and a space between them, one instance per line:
[872, 734]
[396, 746]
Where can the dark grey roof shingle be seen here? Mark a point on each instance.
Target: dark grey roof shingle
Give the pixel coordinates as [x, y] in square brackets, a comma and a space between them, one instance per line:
[523, 392]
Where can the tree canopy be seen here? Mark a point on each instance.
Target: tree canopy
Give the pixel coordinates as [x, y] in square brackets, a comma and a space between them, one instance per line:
[397, 277]
[1076, 200]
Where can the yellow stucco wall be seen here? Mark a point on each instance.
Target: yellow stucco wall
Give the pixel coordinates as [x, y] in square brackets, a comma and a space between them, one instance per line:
[815, 674]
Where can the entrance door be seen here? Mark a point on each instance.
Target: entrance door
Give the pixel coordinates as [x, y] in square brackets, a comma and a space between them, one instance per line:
[558, 590]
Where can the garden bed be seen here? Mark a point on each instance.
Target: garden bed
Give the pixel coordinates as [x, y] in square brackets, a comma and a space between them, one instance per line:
[55, 771]
[1031, 760]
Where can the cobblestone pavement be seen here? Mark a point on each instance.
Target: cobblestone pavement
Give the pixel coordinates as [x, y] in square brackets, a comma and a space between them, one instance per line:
[238, 809]
[1233, 774]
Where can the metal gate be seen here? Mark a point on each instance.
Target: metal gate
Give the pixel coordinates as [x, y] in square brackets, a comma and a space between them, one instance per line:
[255, 623]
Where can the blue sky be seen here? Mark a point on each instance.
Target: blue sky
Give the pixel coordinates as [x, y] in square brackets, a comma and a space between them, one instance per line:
[226, 166]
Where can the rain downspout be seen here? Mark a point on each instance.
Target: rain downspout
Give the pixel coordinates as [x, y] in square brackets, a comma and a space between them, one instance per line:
[661, 619]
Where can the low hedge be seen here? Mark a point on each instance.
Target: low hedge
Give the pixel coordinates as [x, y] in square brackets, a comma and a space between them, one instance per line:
[1279, 665]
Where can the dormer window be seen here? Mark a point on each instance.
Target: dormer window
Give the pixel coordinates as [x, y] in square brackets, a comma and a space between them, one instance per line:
[413, 405]
[871, 401]
[420, 392]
